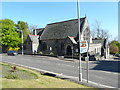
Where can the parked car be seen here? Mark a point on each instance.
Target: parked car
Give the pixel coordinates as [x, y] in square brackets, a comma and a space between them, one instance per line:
[14, 53]
[118, 55]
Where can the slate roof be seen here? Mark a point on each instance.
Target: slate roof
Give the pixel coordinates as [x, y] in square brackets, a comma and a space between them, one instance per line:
[38, 31]
[34, 38]
[72, 40]
[61, 30]
[102, 41]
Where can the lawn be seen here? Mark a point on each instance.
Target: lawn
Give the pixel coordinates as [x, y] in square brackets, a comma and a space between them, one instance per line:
[39, 81]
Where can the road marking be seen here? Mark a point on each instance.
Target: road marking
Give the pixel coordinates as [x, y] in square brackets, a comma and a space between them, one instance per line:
[66, 65]
[109, 72]
[59, 74]
[103, 71]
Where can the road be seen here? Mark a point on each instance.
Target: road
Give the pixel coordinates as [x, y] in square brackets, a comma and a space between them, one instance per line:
[103, 72]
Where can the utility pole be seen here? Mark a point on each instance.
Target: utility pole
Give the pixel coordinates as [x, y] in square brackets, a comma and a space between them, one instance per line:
[22, 41]
[80, 67]
[21, 38]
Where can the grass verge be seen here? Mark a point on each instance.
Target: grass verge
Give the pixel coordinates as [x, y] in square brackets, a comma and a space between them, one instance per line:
[41, 82]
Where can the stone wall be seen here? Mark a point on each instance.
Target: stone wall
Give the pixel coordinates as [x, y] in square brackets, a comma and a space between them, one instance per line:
[56, 47]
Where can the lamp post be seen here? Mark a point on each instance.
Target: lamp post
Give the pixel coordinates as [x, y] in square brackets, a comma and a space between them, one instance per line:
[80, 67]
[22, 38]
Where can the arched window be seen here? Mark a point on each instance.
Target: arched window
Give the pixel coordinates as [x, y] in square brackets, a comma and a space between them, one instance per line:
[86, 34]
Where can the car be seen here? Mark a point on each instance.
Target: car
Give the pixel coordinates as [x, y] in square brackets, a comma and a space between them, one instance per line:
[118, 55]
[14, 53]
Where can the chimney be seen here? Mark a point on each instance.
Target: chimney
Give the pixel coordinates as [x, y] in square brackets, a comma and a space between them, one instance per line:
[35, 33]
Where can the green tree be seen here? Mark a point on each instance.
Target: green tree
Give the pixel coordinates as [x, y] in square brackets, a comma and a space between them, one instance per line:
[21, 25]
[114, 47]
[118, 47]
[10, 37]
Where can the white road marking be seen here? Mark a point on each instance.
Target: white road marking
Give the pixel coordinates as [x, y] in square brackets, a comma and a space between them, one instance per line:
[109, 72]
[65, 65]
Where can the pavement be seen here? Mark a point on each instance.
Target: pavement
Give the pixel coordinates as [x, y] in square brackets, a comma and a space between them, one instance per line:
[102, 74]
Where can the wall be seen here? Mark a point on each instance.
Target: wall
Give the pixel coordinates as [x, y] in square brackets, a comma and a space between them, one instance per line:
[56, 47]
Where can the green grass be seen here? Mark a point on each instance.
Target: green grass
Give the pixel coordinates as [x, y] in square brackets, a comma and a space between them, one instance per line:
[41, 82]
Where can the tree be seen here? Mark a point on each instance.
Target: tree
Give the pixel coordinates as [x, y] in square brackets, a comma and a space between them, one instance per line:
[21, 25]
[31, 28]
[114, 47]
[10, 37]
[118, 47]
[98, 32]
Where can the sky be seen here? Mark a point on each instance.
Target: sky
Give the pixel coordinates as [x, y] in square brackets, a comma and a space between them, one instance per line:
[42, 13]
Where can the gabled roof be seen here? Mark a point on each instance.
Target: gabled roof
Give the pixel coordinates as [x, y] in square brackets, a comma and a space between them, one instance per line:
[102, 41]
[61, 30]
[72, 40]
[38, 31]
[34, 38]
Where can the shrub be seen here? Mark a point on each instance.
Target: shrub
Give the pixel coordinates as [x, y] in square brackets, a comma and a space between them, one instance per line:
[15, 49]
[51, 53]
[114, 47]
[41, 53]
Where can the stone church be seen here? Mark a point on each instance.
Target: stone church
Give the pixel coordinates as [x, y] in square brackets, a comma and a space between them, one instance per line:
[62, 39]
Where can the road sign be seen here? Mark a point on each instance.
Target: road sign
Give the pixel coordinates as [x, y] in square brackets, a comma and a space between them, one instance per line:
[83, 46]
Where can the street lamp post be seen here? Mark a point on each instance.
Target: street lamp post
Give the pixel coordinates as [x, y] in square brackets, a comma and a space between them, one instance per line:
[22, 41]
[22, 38]
[80, 67]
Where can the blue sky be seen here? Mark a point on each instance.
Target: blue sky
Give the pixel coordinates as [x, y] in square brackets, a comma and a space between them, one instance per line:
[42, 13]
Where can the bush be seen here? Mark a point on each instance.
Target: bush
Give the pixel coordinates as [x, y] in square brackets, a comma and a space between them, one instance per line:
[15, 49]
[51, 53]
[114, 47]
[41, 53]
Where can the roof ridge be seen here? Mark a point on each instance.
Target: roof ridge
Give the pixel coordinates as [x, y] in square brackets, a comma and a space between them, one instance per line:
[65, 21]
[33, 35]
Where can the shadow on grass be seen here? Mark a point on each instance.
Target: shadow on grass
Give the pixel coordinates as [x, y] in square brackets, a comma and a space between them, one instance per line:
[49, 74]
[111, 66]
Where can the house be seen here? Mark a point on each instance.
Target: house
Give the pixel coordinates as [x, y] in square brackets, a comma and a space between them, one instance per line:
[104, 47]
[32, 44]
[32, 41]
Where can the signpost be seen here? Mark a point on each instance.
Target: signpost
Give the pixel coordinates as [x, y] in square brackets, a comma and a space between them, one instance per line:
[83, 46]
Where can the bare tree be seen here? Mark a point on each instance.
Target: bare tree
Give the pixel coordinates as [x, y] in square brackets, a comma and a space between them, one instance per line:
[99, 32]
[32, 27]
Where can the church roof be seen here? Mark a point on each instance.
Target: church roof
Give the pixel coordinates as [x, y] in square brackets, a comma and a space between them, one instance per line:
[34, 38]
[38, 31]
[72, 40]
[61, 30]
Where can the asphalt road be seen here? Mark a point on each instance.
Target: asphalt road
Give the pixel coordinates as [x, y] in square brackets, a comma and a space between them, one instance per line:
[103, 72]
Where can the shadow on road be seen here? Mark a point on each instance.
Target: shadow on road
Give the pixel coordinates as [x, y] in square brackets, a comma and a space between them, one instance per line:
[111, 66]
[117, 58]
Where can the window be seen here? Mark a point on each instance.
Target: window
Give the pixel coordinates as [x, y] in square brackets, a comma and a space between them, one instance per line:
[50, 48]
[95, 50]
